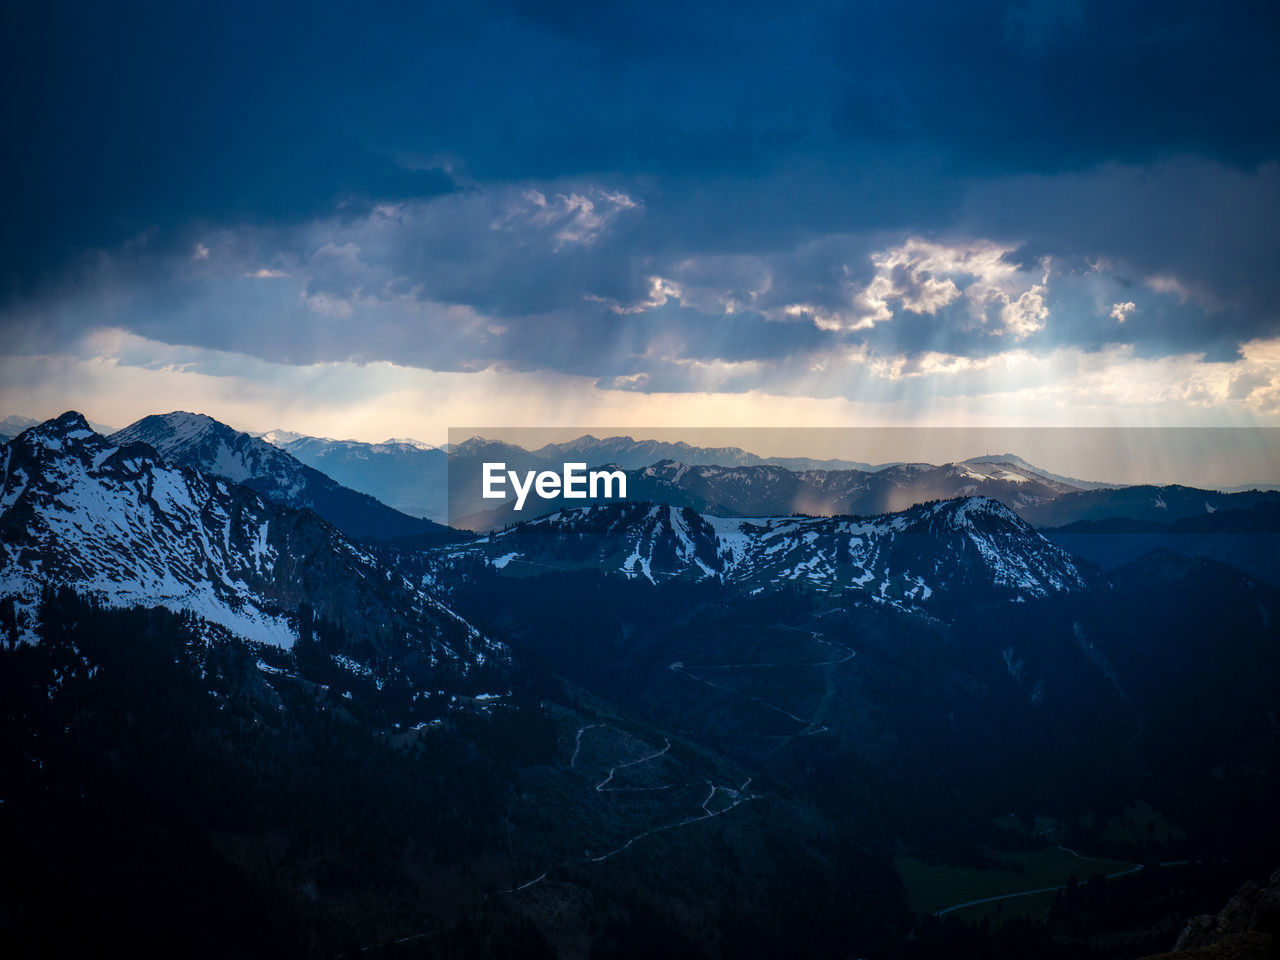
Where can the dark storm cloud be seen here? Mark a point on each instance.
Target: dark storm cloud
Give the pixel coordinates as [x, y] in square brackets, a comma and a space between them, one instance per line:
[1209, 227]
[456, 187]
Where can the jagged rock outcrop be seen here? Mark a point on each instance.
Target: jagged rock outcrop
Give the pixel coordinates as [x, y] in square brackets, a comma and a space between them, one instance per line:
[1247, 928]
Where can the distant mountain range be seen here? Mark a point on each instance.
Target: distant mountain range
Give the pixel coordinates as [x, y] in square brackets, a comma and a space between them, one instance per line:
[632, 454]
[423, 481]
[406, 474]
[1145, 502]
[386, 491]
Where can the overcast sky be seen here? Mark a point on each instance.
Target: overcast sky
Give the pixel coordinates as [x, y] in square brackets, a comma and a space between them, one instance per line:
[388, 218]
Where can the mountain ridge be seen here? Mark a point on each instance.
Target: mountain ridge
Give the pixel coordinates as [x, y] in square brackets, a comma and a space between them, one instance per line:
[208, 445]
[947, 547]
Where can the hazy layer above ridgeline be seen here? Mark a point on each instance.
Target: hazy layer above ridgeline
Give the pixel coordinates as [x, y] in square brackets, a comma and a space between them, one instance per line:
[631, 454]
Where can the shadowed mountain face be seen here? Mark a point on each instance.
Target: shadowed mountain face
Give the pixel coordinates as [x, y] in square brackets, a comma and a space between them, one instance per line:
[202, 443]
[1146, 502]
[160, 778]
[943, 663]
[1247, 537]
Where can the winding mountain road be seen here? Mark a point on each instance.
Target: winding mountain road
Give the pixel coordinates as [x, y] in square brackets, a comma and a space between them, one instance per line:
[577, 742]
[814, 724]
[1027, 893]
[602, 786]
[737, 795]
[1131, 868]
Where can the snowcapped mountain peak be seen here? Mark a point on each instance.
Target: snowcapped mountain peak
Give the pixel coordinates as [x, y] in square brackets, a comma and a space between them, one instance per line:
[120, 524]
[201, 442]
[53, 434]
[968, 512]
[586, 442]
[281, 438]
[482, 446]
[1012, 458]
[205, 444]
[178, 426]
[407, 442]
[1011, 467]
[11, 426]
[126, 526]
